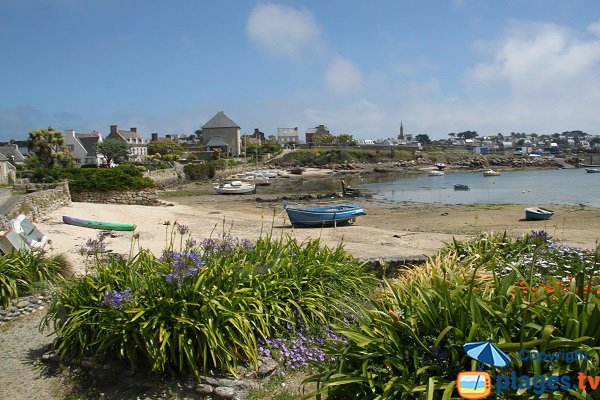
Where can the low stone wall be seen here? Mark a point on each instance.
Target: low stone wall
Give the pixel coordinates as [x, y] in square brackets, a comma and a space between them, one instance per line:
[389, 267]
[164, 178]
[35, 205]
[23, 306]
[25, 185]
[210, 387]
[148, 197]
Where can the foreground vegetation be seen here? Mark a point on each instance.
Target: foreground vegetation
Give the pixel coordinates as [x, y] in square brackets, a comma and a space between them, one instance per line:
[26, 272]
[525, 294]
[224, 302]
[203, 306]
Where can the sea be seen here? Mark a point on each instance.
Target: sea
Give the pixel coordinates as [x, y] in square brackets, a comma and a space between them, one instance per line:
[527, 187]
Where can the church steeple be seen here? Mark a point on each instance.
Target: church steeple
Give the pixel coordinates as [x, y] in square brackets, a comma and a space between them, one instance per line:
[401, 135]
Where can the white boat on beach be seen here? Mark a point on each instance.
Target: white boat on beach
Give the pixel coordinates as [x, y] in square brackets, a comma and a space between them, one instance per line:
[258, 180]
[269, 174]
[436, 173]
[235, 187]
[491, 172]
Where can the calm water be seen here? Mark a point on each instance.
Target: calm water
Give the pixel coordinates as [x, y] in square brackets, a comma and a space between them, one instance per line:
[559, 186]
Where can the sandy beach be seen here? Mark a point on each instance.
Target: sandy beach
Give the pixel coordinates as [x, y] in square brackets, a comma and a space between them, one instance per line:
[389, 229]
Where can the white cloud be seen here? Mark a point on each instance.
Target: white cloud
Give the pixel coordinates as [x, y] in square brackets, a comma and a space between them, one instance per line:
[594, 28]
[540, 57]
[343, 76]
[284, 31]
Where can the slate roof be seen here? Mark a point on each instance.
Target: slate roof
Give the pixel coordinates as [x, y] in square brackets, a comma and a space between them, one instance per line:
[216, 141]
[129, 134]
[89, 141]
[9, 150]
[3, 158]
[220, 120]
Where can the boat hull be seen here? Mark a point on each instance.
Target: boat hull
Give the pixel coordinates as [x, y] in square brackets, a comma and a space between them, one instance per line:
[462, 187]
[592, 170]
[491, 173]
[108, 226]
[538, 214]
[318, 216]
[235, 187]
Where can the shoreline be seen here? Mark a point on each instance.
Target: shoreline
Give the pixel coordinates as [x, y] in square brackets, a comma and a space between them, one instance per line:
[388, 230]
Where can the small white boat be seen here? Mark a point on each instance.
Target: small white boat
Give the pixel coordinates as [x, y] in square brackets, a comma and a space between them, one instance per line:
[436, 173]
[258, 180]
[235, 187]
[269, 174]
[491, 172]
[538, 214]
[32, 236]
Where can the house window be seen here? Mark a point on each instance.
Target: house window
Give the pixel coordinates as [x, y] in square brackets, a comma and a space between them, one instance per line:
[78, 161]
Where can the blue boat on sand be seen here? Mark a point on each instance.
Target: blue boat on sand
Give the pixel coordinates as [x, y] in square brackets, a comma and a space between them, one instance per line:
[538, 214]
[325, 215]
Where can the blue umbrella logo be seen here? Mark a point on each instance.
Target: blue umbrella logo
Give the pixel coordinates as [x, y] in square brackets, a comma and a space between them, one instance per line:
[487, 353]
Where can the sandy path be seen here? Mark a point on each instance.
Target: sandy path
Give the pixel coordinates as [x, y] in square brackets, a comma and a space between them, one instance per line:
[21, 345]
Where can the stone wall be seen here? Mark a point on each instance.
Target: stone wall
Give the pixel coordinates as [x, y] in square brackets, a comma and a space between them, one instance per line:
[23, 306]
[148, 197]
[35, 205]
[164, 178]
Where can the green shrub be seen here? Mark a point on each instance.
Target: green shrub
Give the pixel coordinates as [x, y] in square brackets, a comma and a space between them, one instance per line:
[410, 342]
[120, 178]
[23, 272]
[206, 170]
[203, 307]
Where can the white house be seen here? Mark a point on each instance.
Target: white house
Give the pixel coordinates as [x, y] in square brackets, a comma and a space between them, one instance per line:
[83, 147]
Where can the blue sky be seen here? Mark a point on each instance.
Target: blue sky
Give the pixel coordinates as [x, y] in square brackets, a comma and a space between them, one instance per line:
[357, 67]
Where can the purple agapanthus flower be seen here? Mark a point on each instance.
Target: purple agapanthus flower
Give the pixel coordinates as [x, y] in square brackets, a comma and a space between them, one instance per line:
[116, 299]
[184, 265]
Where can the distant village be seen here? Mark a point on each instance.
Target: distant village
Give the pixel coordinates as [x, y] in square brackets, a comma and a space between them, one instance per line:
[222, 134]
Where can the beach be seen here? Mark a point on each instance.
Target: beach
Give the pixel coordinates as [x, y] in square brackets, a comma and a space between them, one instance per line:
[390, 229]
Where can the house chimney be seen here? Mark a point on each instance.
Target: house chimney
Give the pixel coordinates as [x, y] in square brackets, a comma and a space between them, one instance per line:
[154, 136]
[134, 129]
[256, 133]
[113, 129]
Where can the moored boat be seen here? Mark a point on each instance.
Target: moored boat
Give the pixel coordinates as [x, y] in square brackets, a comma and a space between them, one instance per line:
[235, 187]
[592, 170]
[329, 214]
[108, 226]
[491, 172]
[436, 173]
[538, 214]
[460, 186]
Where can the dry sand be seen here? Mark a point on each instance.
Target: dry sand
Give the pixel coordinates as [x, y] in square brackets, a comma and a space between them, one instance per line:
[389, 229]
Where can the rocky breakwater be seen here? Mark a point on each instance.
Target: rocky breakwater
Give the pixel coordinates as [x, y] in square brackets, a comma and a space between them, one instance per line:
[501, 161]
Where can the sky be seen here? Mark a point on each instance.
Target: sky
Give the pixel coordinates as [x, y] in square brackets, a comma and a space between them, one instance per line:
[358, 67]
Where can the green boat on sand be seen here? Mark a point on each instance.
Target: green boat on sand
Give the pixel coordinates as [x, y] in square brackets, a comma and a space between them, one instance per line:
[108, 226]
